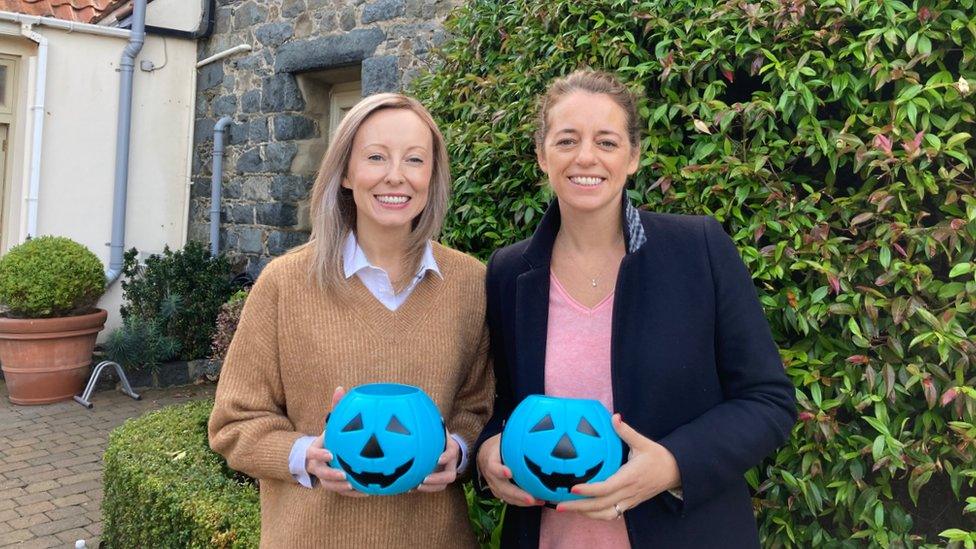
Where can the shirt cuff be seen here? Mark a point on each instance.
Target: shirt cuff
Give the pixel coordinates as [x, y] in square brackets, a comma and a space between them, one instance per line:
[296, 461]
[678, 493]
[464, 452]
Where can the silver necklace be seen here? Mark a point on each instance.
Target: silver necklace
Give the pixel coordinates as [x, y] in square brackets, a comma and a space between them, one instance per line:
[593, 280]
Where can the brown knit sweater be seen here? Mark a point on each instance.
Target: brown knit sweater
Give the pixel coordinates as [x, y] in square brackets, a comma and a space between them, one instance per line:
[294, 346]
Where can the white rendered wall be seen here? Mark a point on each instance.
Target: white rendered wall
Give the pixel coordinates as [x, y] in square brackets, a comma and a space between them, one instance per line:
[78, 153]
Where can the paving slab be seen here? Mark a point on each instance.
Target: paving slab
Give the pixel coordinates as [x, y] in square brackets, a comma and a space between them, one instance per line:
[51, 463]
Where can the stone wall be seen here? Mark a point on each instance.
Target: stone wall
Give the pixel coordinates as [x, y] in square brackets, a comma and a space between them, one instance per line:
[278, 135]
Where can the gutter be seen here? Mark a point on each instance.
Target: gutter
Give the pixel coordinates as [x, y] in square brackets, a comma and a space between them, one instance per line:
[37, 133]
[126, 69]
[216, 183]
[69, 26]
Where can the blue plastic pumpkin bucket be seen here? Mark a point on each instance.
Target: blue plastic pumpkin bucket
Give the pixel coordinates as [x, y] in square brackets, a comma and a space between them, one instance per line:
[552, 444]
[386, 437]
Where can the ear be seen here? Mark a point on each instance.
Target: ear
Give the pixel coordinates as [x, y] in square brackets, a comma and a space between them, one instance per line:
[540, 158]
[347, 185]
[634, 160]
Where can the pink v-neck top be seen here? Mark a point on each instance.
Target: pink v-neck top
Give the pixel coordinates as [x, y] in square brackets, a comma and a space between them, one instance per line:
[578, 366]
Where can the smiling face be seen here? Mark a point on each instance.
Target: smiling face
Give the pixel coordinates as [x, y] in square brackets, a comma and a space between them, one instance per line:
[389, 170]
[586, 152]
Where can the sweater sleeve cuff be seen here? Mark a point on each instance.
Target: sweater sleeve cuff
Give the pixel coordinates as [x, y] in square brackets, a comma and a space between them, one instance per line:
[463, 446]
[296, 461]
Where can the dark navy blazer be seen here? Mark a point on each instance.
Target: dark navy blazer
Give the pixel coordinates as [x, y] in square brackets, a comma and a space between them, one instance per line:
[693, 367]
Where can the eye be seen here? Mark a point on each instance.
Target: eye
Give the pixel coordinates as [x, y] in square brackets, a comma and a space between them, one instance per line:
[585, 428]
[608, 144]
[415, 160]
[545, 424]
[394, 426]
[375, 157]
[565, 142]
[355, 424]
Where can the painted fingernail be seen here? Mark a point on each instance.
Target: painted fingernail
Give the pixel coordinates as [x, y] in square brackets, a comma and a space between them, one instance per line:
[573, 490]
[559, 509]
[529, 500]
[540, 502]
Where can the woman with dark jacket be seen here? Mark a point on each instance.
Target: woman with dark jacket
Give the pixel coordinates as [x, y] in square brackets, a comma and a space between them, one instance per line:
[652, 314]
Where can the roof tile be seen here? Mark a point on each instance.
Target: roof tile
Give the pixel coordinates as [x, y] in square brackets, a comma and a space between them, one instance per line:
[82, 11]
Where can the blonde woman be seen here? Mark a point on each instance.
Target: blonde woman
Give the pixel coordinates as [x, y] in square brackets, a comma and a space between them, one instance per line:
[370, 298]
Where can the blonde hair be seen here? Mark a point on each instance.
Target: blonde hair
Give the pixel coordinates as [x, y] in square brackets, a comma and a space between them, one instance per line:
[333, 211]
[590, 81]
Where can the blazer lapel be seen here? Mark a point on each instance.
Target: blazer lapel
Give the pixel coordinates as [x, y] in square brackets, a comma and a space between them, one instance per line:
[531, 323]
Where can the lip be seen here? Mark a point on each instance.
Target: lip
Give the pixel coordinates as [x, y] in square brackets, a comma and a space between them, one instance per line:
[392, 206]
[584, 186]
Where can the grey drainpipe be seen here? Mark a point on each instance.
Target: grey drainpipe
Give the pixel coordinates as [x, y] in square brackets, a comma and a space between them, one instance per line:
[126, 66]
[215, 183]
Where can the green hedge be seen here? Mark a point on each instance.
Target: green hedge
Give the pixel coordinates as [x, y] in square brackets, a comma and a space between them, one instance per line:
[833, 141]
[164, 487]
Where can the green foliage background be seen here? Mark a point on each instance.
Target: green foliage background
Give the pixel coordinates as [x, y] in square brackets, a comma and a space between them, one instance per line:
[833, 141]
[50, 276]
[164, 487]
[181, 293]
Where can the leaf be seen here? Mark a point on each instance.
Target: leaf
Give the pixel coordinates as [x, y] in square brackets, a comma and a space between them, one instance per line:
[957, 139]
[960, 269]
[702, 127]
[877, 447]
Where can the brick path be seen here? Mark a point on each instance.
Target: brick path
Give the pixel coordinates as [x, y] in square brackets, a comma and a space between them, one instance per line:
[51, 464]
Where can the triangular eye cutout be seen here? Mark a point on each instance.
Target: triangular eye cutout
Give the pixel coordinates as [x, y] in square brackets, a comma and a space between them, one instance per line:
[585, 428]
[394, 426]
[355, 424]
[545, 424]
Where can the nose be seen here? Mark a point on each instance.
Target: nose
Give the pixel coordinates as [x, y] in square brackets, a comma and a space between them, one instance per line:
[564, 448]
[395, 175]
[585, 156]
[372, 448]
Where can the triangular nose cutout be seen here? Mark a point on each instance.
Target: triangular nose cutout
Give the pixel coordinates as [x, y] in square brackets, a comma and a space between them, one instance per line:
[564, 448]
[372, 448]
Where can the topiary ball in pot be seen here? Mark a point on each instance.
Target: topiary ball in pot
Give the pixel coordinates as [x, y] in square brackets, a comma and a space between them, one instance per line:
[50, 276]
[48, 321]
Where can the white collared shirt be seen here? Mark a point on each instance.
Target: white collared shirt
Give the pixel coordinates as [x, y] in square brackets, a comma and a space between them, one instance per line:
[377, 281]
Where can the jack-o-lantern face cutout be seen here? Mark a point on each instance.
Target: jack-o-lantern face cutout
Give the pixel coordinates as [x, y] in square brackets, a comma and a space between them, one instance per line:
[552, 444]
[386, 437]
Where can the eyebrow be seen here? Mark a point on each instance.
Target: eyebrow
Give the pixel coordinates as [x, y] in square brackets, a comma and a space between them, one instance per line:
[382, 146]
[600, 132]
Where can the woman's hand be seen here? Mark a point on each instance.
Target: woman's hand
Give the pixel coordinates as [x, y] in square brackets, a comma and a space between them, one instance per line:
[499, 477]
[317, 461]
[446, 471]
[650, 470]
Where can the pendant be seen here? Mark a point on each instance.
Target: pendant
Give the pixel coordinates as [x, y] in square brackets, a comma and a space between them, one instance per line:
[593, 282]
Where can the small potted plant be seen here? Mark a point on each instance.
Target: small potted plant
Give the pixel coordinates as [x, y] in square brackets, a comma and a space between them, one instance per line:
[48, 320]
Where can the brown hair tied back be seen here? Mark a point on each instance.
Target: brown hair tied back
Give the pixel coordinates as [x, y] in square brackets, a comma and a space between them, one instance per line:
[590, 81]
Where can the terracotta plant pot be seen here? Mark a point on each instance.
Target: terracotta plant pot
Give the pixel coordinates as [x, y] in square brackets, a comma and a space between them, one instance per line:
[47, 359]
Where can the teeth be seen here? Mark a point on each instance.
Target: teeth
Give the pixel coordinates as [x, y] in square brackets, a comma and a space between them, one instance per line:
[386, 199]
[587, 181]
